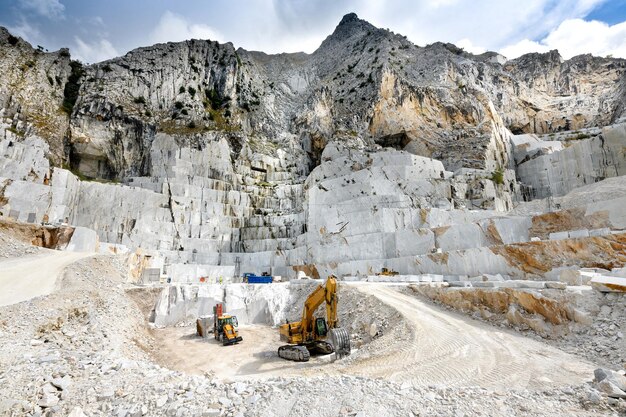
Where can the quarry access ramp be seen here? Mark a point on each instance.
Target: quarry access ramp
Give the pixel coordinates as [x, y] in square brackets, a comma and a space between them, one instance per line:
[449, 349]
[32, 276]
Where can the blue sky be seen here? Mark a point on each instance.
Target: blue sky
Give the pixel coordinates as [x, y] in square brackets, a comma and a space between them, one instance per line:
[97, 30]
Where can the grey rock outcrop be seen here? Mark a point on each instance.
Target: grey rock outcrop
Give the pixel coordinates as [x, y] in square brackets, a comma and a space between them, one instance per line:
[435, 101]
[369, 152]
[32, 91]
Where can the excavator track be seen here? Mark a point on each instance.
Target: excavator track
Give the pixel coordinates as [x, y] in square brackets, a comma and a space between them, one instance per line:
[320, 347]
[340, 339]
[294, 353]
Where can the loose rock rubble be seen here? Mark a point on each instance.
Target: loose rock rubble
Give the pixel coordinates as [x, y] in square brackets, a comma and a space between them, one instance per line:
[315, 164]
[598, 334]
[10, 247]
[81, 351]
[611, 383]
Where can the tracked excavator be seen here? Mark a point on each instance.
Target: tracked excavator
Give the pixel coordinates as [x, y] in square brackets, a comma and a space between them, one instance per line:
[315, 335]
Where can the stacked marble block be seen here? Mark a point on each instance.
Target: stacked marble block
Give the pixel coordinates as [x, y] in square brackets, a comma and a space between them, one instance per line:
[391, 209]
[34, 193]
[355, 214]
[252, 304]
[219, 212]
[363, 212]
[552, 168]
[179, 213]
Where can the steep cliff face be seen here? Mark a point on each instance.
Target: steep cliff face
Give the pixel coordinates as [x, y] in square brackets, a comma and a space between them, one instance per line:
[172, 88]
[32, 89]
[362, 82]
[369, 152]
[560, 95]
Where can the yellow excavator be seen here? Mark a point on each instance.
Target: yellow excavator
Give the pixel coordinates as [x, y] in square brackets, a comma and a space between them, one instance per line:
[310, 334]
[224, 327]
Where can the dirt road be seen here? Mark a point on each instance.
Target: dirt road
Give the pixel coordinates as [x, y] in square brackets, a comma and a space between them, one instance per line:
[446, 348]
[180, 349]
[27, 277]
[437, 347]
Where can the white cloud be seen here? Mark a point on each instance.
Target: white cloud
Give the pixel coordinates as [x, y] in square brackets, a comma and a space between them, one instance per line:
[467, 45]
[522, 47]
[574, 37]
[96, 21]
[274, 26]
[173, 27]
[97, 51]
[52, 9]
[27, 32]
[480, 25]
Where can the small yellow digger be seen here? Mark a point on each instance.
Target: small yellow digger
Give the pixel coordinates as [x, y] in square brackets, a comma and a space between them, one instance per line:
[224, 327]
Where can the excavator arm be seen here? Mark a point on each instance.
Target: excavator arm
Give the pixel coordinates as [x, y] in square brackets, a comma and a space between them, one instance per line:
[328, 294]
[331, 303]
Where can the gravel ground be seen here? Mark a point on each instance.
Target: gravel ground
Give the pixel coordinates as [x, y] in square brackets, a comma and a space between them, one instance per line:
[80, 351]
[602, 341]
[12, 248]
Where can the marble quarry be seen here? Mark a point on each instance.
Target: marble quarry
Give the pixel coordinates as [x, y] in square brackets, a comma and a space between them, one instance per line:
[357, 212]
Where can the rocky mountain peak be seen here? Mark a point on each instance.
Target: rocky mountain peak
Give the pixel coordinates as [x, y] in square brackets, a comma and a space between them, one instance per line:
[350, 27]
[349, 18]
[552, 57]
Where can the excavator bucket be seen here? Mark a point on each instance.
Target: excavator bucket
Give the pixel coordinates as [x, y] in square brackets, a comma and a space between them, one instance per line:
[340, 340]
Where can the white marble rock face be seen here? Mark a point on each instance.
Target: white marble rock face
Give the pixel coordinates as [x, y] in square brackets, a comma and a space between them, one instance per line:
[219, 161]
[385, 210]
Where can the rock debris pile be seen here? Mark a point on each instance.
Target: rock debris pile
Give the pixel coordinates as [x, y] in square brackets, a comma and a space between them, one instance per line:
[493, 187]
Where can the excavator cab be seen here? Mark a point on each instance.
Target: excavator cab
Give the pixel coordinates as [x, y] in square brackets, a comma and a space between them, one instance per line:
[320, 327]
[231, 320]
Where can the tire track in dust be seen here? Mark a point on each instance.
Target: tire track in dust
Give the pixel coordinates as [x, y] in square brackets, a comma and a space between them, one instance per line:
[449, 349]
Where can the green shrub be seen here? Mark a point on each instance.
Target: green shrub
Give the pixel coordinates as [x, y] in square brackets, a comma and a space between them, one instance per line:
[13, 40]
[214, 98]
[181, 90]
[192, 91]
[140, 100]
[178, 105]
[497, 176]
